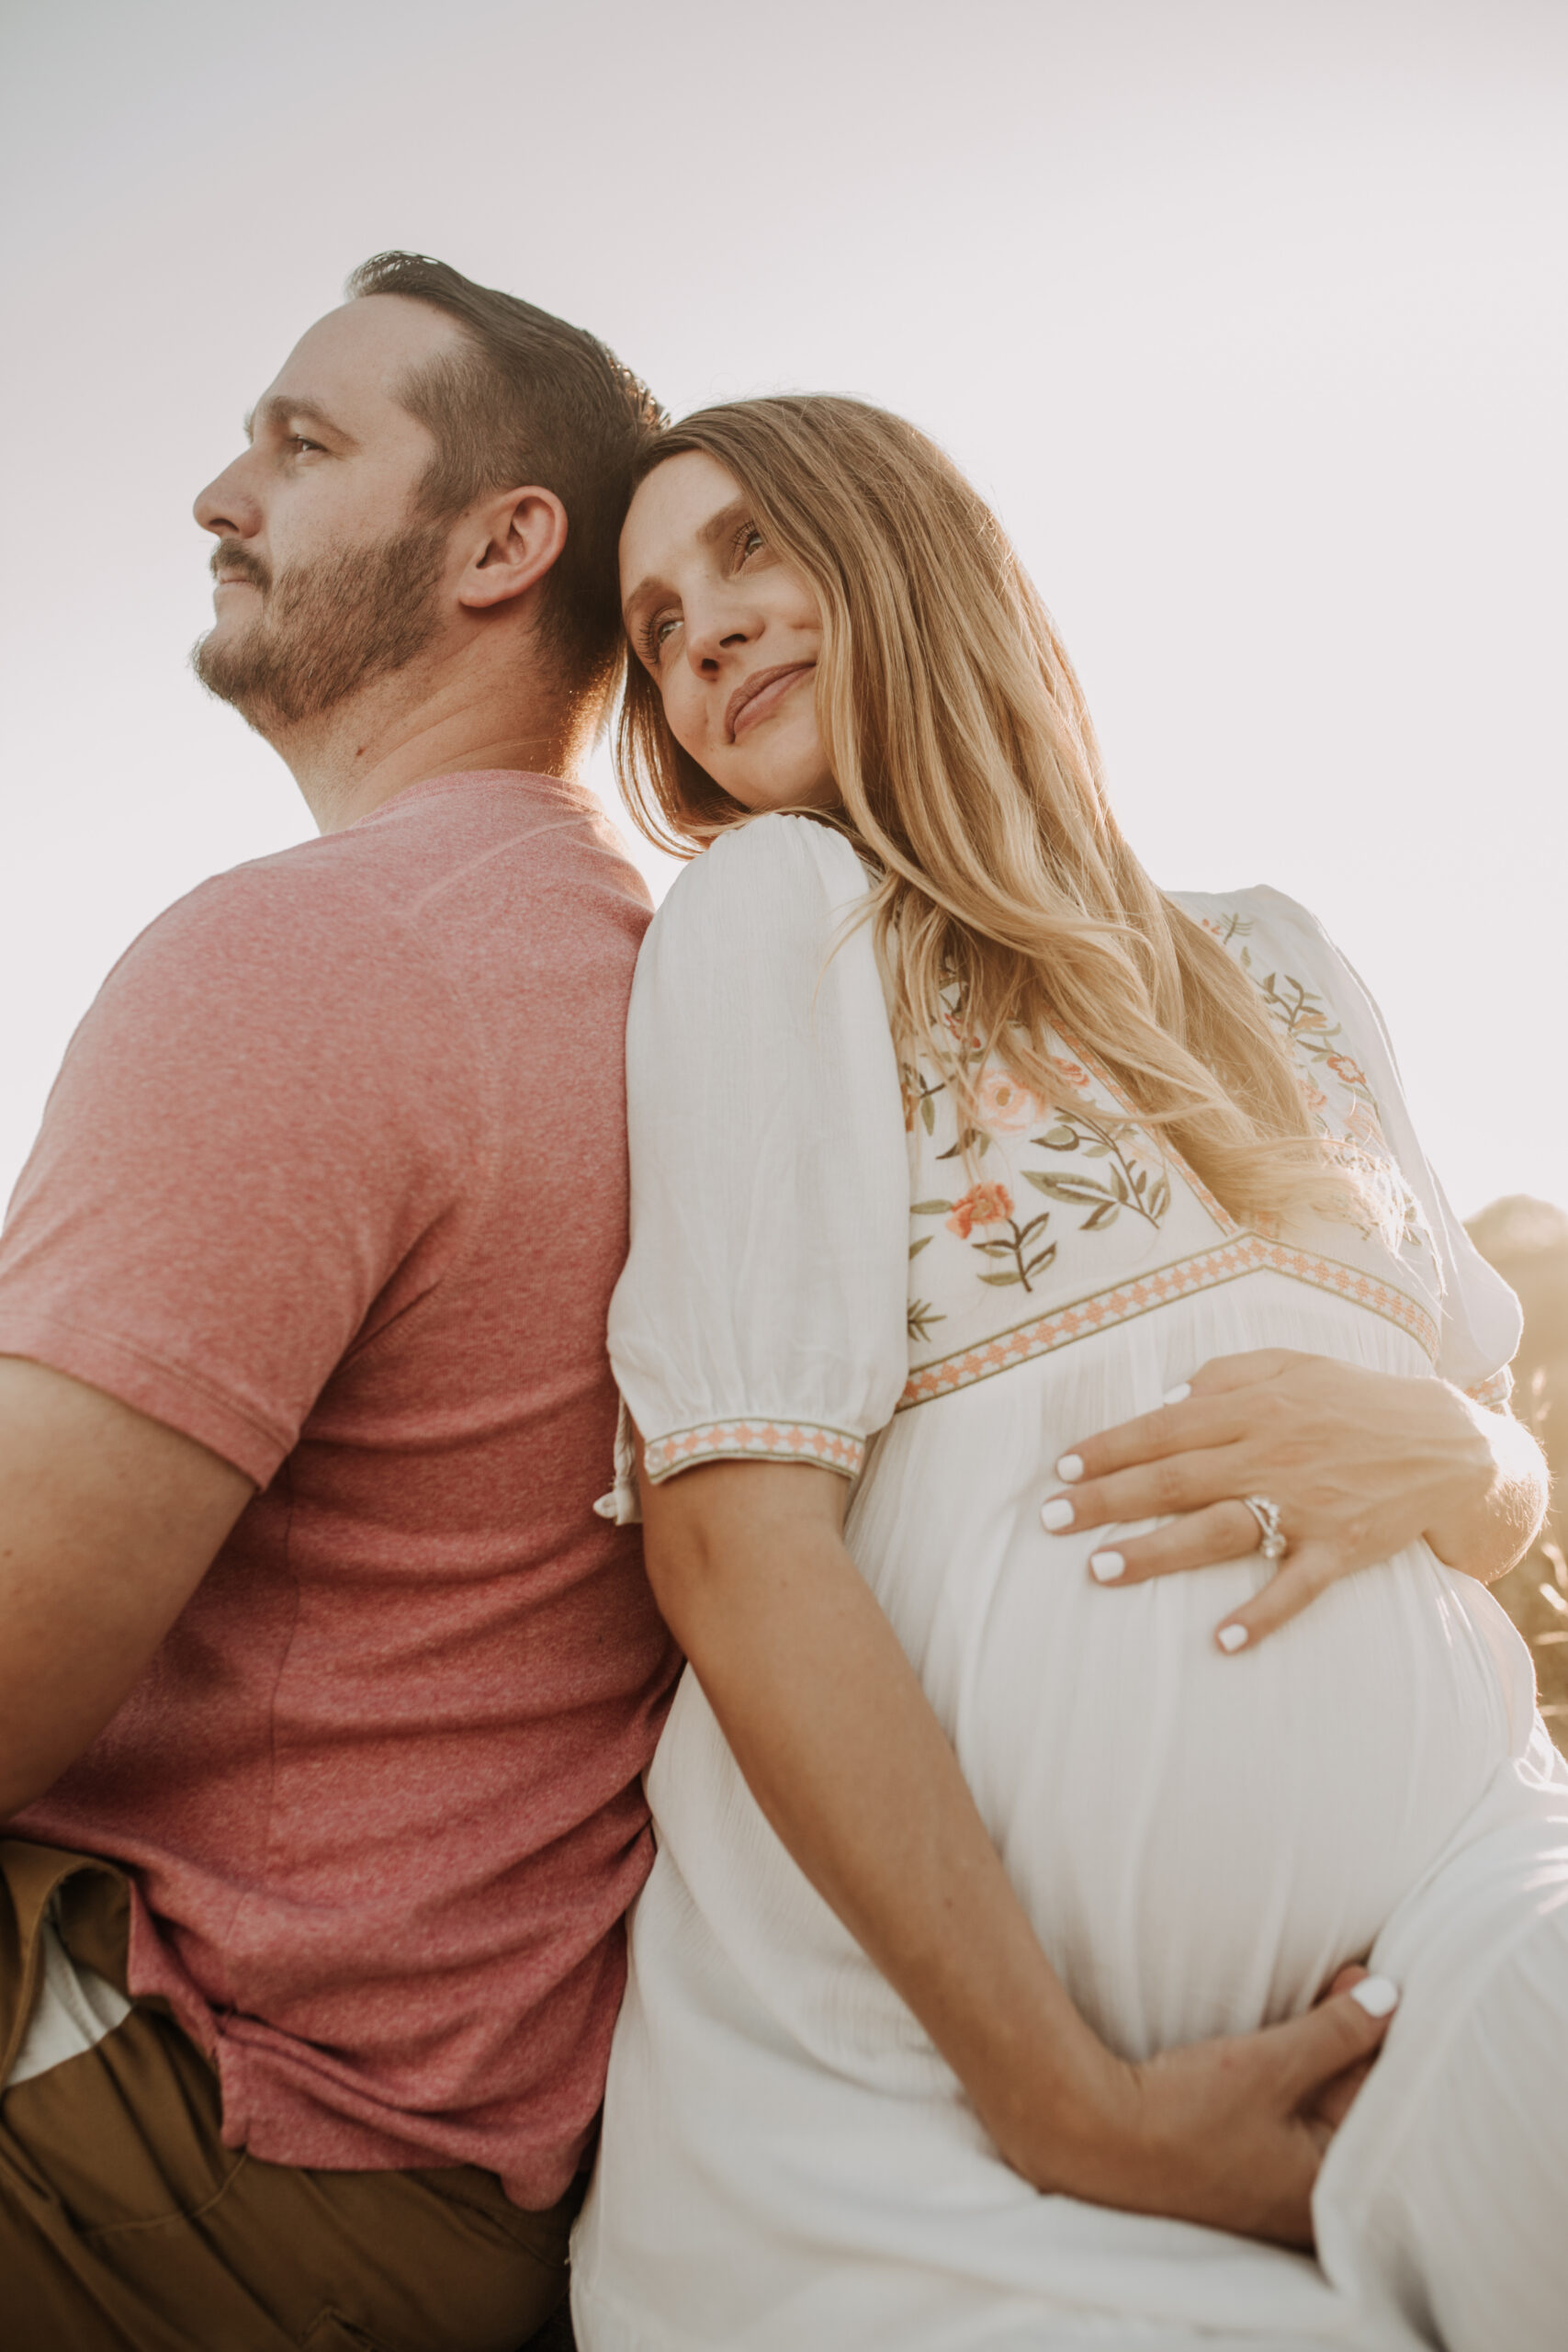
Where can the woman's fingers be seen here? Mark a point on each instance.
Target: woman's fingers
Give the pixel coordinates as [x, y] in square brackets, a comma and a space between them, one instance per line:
[1346, 2030]
[1303, 1575]
[1221, 1374]
[1327, 2106]
[1185, 1421]
[1199, 1540]
[1186, 1481]
[1150, 1437]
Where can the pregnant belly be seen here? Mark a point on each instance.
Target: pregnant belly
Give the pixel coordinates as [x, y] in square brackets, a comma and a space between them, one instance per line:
[1201, 1839]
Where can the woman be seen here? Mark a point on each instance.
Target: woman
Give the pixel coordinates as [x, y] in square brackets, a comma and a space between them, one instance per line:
[953, 1142]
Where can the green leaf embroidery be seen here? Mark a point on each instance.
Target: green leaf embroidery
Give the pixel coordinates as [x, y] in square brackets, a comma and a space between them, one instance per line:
[1078, 1189]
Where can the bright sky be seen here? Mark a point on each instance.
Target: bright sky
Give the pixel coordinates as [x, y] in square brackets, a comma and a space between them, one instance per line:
[1248, 315]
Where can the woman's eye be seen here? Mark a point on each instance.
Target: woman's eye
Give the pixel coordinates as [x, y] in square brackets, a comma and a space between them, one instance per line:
[750, 540]
[657, 633]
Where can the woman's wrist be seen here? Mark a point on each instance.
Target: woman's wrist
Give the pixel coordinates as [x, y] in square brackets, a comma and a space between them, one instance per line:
[1070, 2124]
[1495, 1489]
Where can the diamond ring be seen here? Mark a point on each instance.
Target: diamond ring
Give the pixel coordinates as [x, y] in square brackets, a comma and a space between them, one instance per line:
[1273, 1545]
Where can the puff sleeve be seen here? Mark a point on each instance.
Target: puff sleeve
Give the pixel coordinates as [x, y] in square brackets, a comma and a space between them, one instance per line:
[761, 1312]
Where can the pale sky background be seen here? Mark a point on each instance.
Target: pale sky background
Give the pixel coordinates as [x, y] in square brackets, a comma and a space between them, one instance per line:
[1248, 315]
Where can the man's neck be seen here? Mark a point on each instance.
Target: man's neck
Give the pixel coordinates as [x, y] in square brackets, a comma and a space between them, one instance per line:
[358, 756]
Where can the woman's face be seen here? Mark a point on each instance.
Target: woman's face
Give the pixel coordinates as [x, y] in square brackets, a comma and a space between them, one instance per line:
[729, 633]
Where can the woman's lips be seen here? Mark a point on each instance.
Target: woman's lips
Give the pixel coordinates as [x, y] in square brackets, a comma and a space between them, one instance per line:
[751, 703]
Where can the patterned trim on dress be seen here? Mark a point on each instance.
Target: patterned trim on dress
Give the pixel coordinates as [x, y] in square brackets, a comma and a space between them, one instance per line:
[754, 1441]
[1206, 1271]
[1495, 1391]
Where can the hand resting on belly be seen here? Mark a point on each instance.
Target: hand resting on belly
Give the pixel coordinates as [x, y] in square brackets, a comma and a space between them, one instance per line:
[1361, 1464]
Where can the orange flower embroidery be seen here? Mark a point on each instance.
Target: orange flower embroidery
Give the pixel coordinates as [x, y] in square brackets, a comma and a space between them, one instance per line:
[1343, 1067]
[1003, 1107]
[982, 1205]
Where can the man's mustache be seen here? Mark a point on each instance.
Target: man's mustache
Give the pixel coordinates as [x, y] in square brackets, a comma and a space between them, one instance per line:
[235, 562]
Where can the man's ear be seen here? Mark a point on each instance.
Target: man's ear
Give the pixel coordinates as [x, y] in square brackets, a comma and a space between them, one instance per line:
[524, 532]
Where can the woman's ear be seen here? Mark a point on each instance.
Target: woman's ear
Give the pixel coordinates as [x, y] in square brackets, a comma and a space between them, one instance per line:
[524, 532]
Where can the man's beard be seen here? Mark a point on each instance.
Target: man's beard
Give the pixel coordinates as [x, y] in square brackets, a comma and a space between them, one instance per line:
[324, 629]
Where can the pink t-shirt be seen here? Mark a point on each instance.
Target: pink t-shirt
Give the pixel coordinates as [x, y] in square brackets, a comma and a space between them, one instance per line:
[333, 1180]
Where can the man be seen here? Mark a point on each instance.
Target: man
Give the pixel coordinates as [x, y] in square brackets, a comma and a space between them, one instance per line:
[324, 1696]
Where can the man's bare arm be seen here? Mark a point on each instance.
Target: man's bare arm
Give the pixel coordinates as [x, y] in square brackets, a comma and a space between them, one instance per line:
[108, 1521]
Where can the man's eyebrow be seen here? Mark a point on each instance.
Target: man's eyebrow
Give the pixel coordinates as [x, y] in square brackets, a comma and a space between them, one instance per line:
[278, 410]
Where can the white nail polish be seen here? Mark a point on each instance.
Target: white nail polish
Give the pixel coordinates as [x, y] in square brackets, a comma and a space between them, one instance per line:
[1232, 1638]
[1377, 1995]
[1056, 1514]
[1106, 1567]
[1070, 1467]
[1179, 1395]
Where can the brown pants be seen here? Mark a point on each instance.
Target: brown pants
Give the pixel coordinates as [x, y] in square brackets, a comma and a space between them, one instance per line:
[126, 2226]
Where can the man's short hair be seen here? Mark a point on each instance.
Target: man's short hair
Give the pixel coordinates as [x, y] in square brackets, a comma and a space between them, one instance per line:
[532, 399]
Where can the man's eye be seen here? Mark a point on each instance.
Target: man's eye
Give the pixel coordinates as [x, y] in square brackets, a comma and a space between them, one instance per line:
[298, 441]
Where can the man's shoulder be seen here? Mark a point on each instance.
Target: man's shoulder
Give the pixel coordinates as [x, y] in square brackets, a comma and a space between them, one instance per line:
[544, 836]
[298, 909]
[443, 860]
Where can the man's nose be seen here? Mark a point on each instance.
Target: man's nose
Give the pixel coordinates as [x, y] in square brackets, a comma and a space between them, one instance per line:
[226, 507]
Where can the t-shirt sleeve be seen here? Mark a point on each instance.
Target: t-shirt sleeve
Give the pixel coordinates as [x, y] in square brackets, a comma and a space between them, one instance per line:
[1481, 1317]
[258, 1122]
[761, 1312]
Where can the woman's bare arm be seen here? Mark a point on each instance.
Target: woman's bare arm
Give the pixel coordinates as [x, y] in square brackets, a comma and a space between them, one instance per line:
[833, 1732]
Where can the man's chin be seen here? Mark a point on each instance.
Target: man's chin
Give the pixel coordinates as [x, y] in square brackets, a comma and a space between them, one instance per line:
[225, 661]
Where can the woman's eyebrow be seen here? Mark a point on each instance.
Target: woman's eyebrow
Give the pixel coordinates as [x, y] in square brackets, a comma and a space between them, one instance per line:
[719, 526]
[713, 533]
[645, 592]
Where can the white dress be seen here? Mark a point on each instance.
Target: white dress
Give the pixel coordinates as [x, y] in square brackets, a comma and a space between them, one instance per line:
[786, 2163]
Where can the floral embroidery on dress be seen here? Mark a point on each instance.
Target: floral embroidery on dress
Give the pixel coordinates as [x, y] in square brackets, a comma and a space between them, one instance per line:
[1316, 1039]
[1124, 1185]
[988, 1205]
[995, 1281]
[1309, 1028]
[1005, 1108]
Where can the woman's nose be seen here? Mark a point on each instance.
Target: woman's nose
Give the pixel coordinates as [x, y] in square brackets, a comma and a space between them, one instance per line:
[710, 635]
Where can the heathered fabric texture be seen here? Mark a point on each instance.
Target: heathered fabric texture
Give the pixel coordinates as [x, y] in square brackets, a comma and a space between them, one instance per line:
[333, 1180]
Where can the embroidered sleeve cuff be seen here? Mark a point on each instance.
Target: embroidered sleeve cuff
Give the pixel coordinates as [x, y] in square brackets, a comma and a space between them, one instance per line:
[754, 1441]
[1492, 1392]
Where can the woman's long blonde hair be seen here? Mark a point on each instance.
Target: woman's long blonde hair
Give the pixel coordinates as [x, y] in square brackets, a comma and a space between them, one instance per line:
[970, 777]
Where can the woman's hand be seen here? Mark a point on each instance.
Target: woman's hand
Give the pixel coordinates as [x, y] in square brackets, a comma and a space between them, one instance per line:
[1231, 2132]
[1361, 1464]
